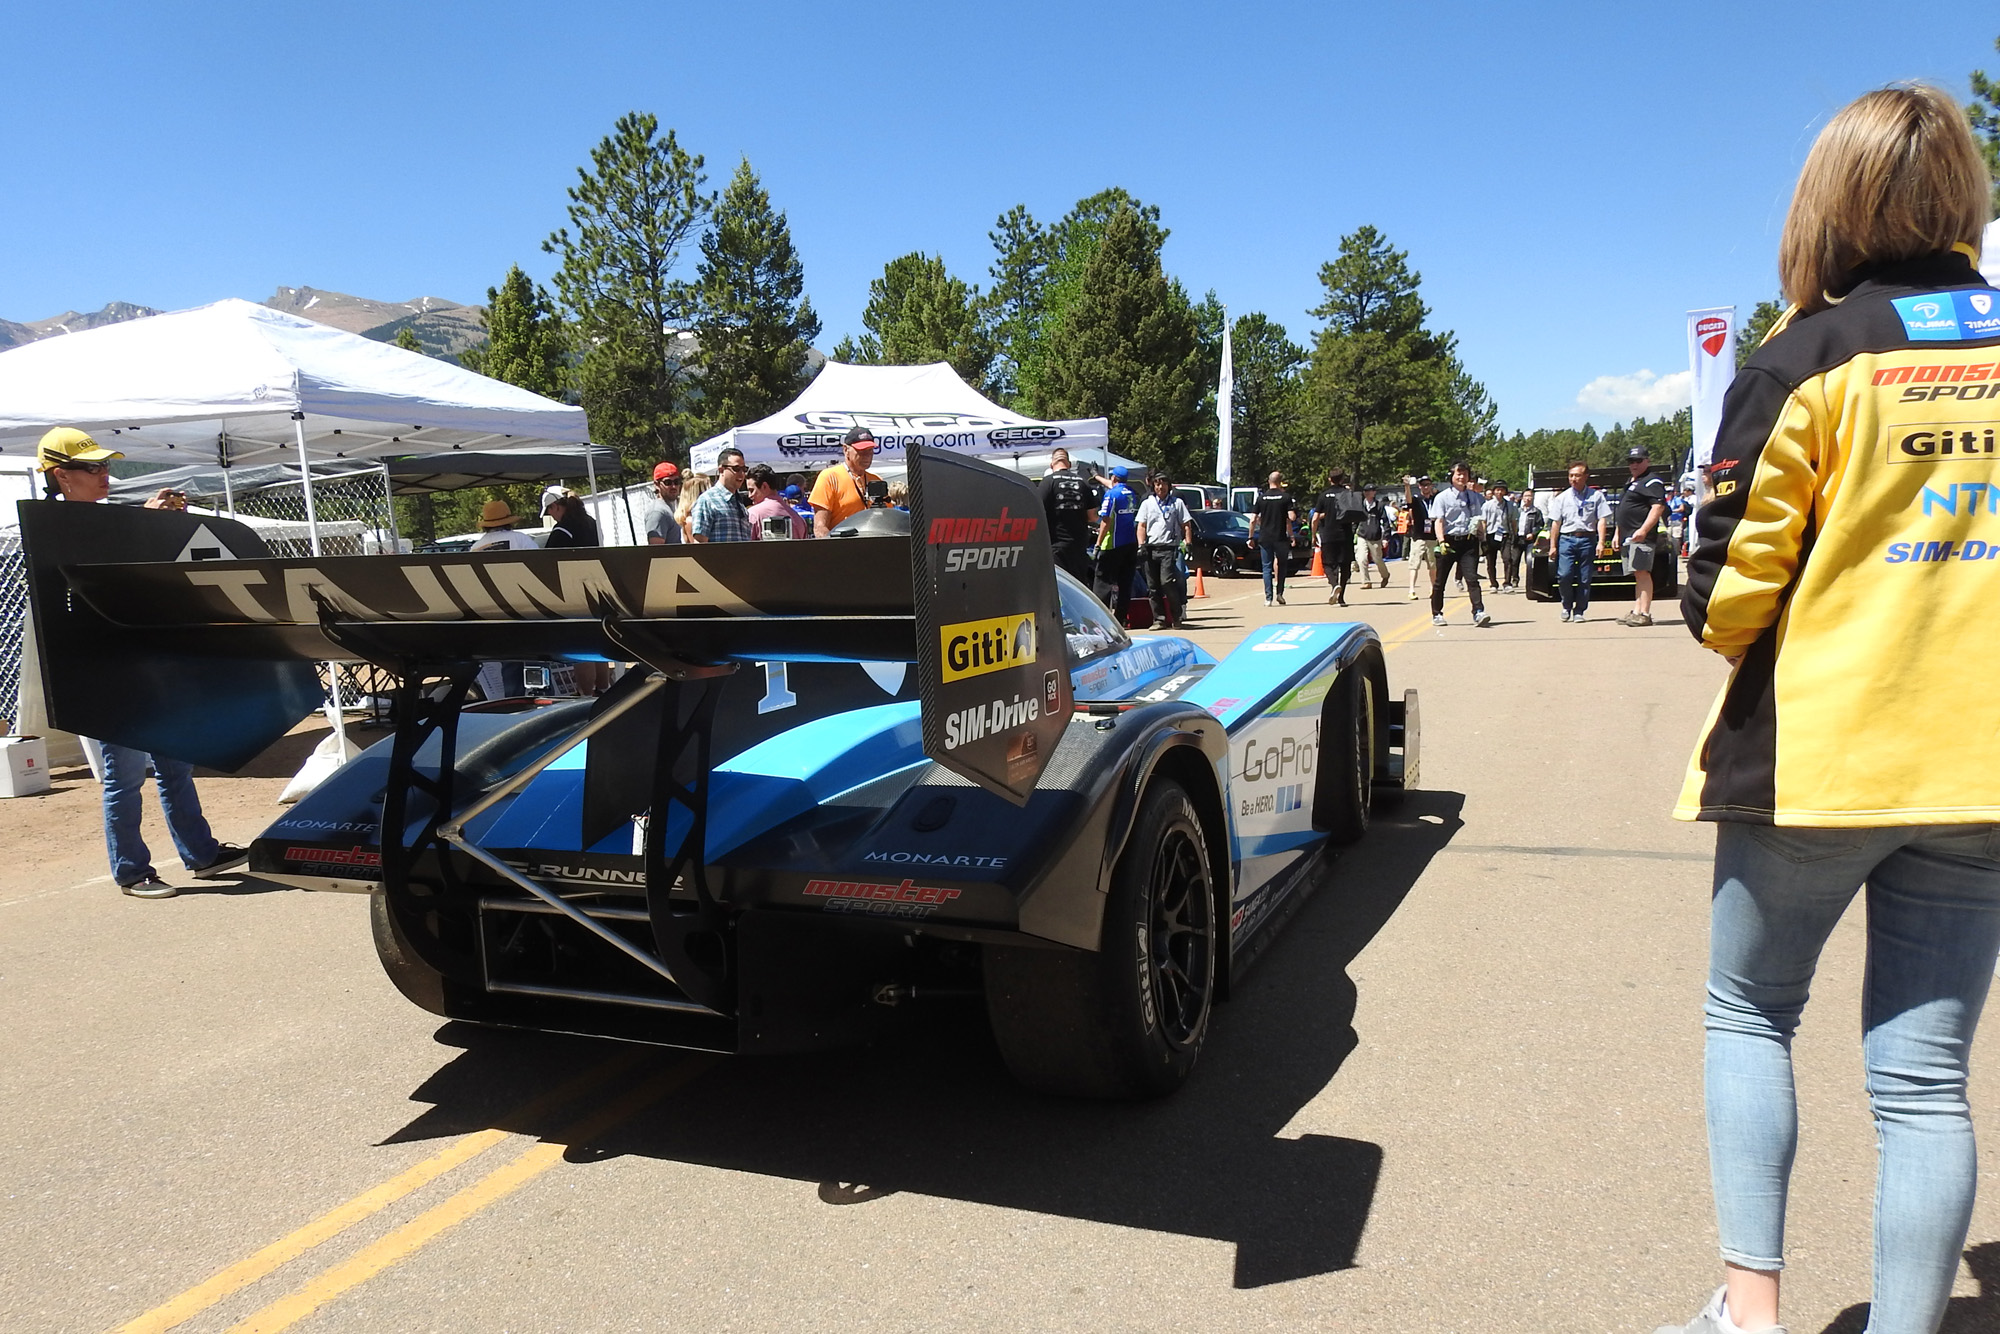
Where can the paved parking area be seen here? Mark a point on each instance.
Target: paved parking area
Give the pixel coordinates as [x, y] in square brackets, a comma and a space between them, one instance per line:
[1460, 1093]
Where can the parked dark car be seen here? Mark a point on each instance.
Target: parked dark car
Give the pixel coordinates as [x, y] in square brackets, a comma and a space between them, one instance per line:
[1223, 545]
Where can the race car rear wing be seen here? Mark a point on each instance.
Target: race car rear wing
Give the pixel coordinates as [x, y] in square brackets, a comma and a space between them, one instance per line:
[181, 634]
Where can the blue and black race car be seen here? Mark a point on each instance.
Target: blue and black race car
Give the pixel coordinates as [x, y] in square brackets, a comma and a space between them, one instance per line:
[842, 776]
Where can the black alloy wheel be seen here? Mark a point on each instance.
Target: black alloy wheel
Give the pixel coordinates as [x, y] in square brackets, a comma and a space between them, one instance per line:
[1128, 1020]
[1180, 960]
[1345, 795]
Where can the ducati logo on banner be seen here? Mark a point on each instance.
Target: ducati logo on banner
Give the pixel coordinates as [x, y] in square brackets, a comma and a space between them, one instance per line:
[1712, 333]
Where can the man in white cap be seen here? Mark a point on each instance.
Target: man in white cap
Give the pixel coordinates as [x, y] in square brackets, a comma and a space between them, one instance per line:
[78, 470]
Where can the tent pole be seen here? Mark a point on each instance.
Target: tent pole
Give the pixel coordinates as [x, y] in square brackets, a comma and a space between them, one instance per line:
[305, 480]
[625, 495]
[389, 504]
[590, 464]
[222, 457]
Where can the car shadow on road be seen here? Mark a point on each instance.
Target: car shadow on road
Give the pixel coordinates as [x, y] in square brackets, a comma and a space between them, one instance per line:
[932, 1111]
[1964, 1315]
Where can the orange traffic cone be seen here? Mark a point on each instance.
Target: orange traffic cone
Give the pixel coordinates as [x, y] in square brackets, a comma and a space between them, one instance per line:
[1319, 565]
[1200, 584]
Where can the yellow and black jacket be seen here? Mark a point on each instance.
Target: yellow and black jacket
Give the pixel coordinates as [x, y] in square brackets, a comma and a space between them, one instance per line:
[1851, 555]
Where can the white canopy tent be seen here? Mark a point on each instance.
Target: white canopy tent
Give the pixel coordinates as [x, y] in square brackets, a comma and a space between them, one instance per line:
[903, 406]
[1035, 464]
[237, 382]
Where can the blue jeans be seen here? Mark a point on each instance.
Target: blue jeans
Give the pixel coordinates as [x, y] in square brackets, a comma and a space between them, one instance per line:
[1933, 899]
[1573, 557]
[1272, 558]
[124, 798]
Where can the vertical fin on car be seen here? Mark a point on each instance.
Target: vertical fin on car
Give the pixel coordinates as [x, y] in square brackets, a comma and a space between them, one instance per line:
[994, 679]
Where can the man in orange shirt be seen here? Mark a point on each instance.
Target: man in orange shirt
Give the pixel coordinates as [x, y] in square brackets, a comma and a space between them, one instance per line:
[842, 489]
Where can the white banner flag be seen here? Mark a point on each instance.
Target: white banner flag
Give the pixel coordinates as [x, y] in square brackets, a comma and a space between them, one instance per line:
[1712, 357]
[1225, 410]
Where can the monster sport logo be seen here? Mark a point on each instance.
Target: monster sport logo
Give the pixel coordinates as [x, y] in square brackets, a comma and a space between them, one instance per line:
[901, 899]
[982, 543]
[356, 856]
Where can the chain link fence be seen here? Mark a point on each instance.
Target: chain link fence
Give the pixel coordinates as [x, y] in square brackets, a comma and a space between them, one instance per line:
[354, 518]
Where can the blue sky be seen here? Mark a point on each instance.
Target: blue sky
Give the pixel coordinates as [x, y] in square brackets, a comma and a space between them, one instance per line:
[1569, 179]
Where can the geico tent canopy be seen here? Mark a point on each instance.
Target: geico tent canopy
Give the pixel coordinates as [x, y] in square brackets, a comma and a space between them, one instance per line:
[903, 406]
[236, 381]
[1097, 462]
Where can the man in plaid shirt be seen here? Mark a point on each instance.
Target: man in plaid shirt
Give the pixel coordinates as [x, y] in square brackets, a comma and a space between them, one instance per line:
[719, 516]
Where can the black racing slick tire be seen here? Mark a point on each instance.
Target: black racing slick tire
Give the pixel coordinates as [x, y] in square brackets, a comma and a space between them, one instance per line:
[1346, 788]
[1127, 1021]
[421, 984]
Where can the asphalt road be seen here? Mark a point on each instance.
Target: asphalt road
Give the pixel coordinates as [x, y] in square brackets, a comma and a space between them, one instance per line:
[1460, 1093]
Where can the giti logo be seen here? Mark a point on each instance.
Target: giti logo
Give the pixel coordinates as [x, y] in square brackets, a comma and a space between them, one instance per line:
[974, 648]
[1940, 443]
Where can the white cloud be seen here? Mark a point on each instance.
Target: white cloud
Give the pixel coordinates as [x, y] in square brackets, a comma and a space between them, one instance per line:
[1641, 394]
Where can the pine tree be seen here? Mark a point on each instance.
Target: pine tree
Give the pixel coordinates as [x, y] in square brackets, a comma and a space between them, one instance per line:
[1128, 348]
[634, 210]
[918, 313]
[1984, 114]
[1266, 404]
[1382, 390]
[1019, 272]
[1757, 328]
[757, 325]
[525, 343]
[406, 338]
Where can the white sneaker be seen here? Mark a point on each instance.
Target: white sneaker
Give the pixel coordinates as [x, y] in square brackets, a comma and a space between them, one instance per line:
[1438, 619]
[1712, 1320]
[1482, 618]
[1267, 602]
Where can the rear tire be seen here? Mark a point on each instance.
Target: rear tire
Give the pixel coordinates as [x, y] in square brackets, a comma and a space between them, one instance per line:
[1127, 1021]
[1346, 789]
[421, 984]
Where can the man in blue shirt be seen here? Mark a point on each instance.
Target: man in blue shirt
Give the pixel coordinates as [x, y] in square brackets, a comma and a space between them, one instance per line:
[1458, 523]
[1576, 531]
[720, 515]
[1117, 543]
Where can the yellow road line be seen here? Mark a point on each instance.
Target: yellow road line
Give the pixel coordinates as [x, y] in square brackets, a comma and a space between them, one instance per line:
[372, 1201]
[496, 1185]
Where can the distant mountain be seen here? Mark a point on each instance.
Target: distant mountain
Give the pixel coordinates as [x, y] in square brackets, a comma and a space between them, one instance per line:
[443, 328]
[13, 335]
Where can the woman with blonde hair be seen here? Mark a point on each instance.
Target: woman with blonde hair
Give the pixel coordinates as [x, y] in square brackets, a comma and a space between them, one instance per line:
[1841, 570]
[690, 492]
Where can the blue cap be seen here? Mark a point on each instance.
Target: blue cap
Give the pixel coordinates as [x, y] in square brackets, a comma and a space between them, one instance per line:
[1120, 473]
[792, 492]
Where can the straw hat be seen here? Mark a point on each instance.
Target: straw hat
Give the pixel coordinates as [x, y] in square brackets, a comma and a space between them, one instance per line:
[497, 514]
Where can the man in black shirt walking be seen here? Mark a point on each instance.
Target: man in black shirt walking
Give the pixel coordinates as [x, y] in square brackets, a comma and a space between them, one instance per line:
[1271, 524]
[1071, 505]
[1335, 515]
